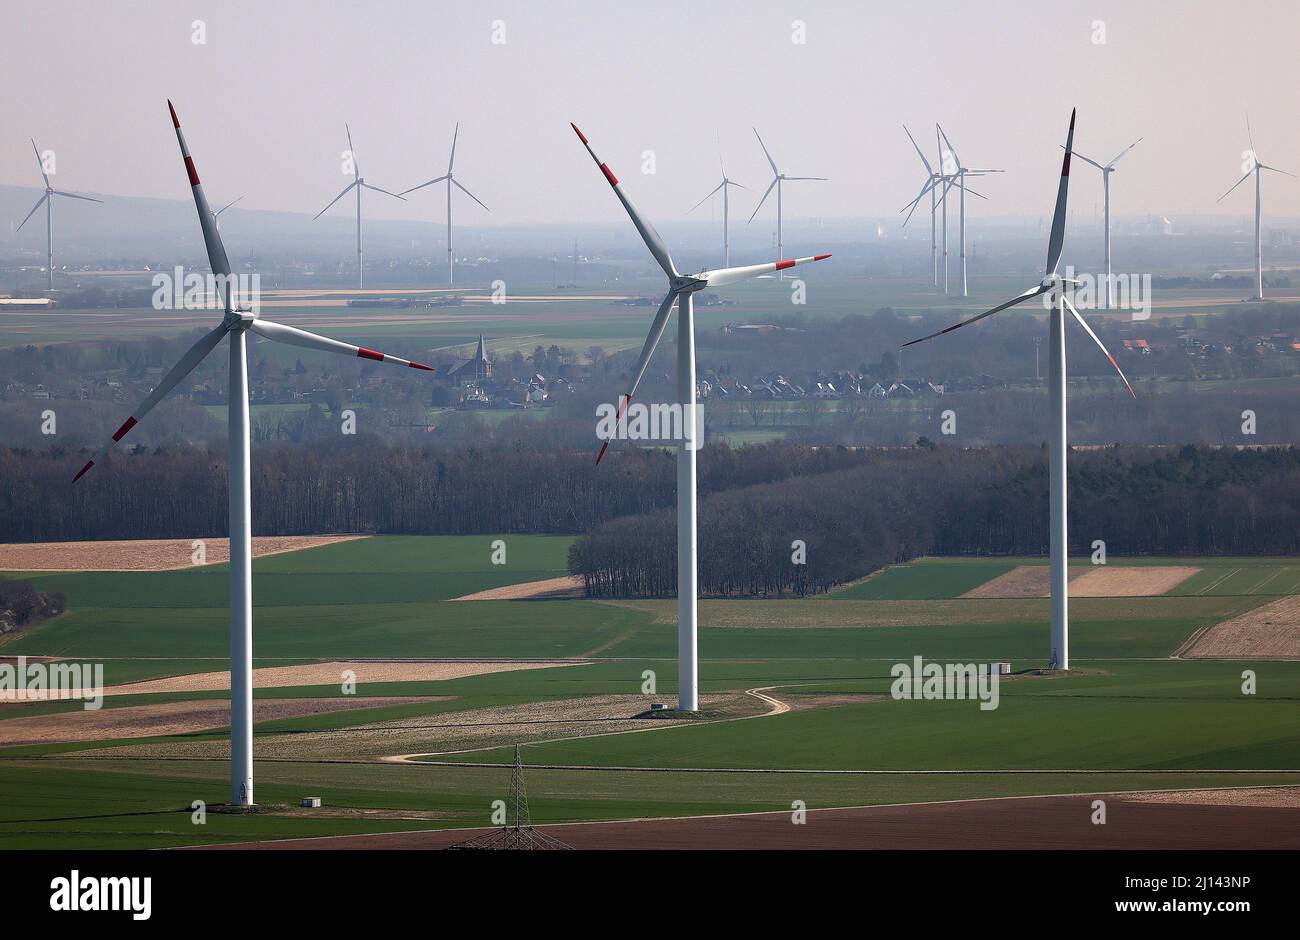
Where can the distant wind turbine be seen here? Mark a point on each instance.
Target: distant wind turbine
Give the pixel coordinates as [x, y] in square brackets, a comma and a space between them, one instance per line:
[962, 171]
[48, 199]
[358, 183]
[777, 179]
[1255, 167]
[726, 225]
[930, 186]
[1106, 171]
[451, 181]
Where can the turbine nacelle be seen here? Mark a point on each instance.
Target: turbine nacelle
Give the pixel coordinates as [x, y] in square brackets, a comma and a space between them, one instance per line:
[237, 321]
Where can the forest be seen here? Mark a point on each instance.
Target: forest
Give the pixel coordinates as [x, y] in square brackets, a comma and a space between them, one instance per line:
[854, 509]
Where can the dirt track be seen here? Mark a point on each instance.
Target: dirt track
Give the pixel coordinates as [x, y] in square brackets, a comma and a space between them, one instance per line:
[1059, 822]
[1271, 631]
[1034, 581]
[145, 554]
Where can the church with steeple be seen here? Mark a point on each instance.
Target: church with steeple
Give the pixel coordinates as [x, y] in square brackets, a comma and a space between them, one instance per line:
[476, 369]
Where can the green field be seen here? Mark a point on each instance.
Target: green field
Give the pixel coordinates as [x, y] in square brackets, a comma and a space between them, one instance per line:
[1128, 717]
[540, 314]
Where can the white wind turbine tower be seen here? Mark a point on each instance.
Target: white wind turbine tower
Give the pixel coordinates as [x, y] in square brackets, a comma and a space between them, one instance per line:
[726, 210]
[1252, 158]
[358, 183]
[1055, 285]
[451, 181]
[236, 323]
[681, 287]
[48, 200]
[1106, 171]
[777, 179]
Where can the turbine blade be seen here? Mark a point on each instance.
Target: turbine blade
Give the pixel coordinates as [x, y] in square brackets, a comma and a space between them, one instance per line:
[948, 143]
[39, 202]
[643, 361]
[1250, 137]
[1057, 241]
[911, 206]
[228, 205]
[217, 260]
[422, 185]
[1088, 161]
[648, 233]
[725, 276]
[384, 191]
[296, 337]
[734, 183]
[1084, 323]
[187, 363]
[1032, 292]
[929, 169]
[708, 197]
[1119, 155]
[455, 134]
[768, 192]
[39, 164]
[775, 171]
[1236, 184]
[1265, 166]
[822, 179]
[346, 189]
[59, 192]
[469, 194]
[356, 167]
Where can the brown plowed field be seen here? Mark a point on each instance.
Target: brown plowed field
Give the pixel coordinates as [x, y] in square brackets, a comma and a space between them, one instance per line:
[1056, 822]
[1034, 581]
[145, 554]
[1271, 631]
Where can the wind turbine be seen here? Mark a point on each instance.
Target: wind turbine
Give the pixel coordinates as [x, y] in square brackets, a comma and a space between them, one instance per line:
[931, 186]
[1106, 171]
[48, 199]
[726, 225]
[451, 181]
[236, 323]
[1255, 167]
[358, 183]
[932, 179]
[960, 175]
[1056, 285]
[681, 287]
[777, 179]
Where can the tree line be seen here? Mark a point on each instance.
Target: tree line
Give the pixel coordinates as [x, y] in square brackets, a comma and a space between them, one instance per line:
[899, 504]
[362, 484]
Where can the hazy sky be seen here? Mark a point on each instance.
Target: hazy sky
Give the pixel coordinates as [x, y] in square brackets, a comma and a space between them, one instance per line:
[265, 99]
